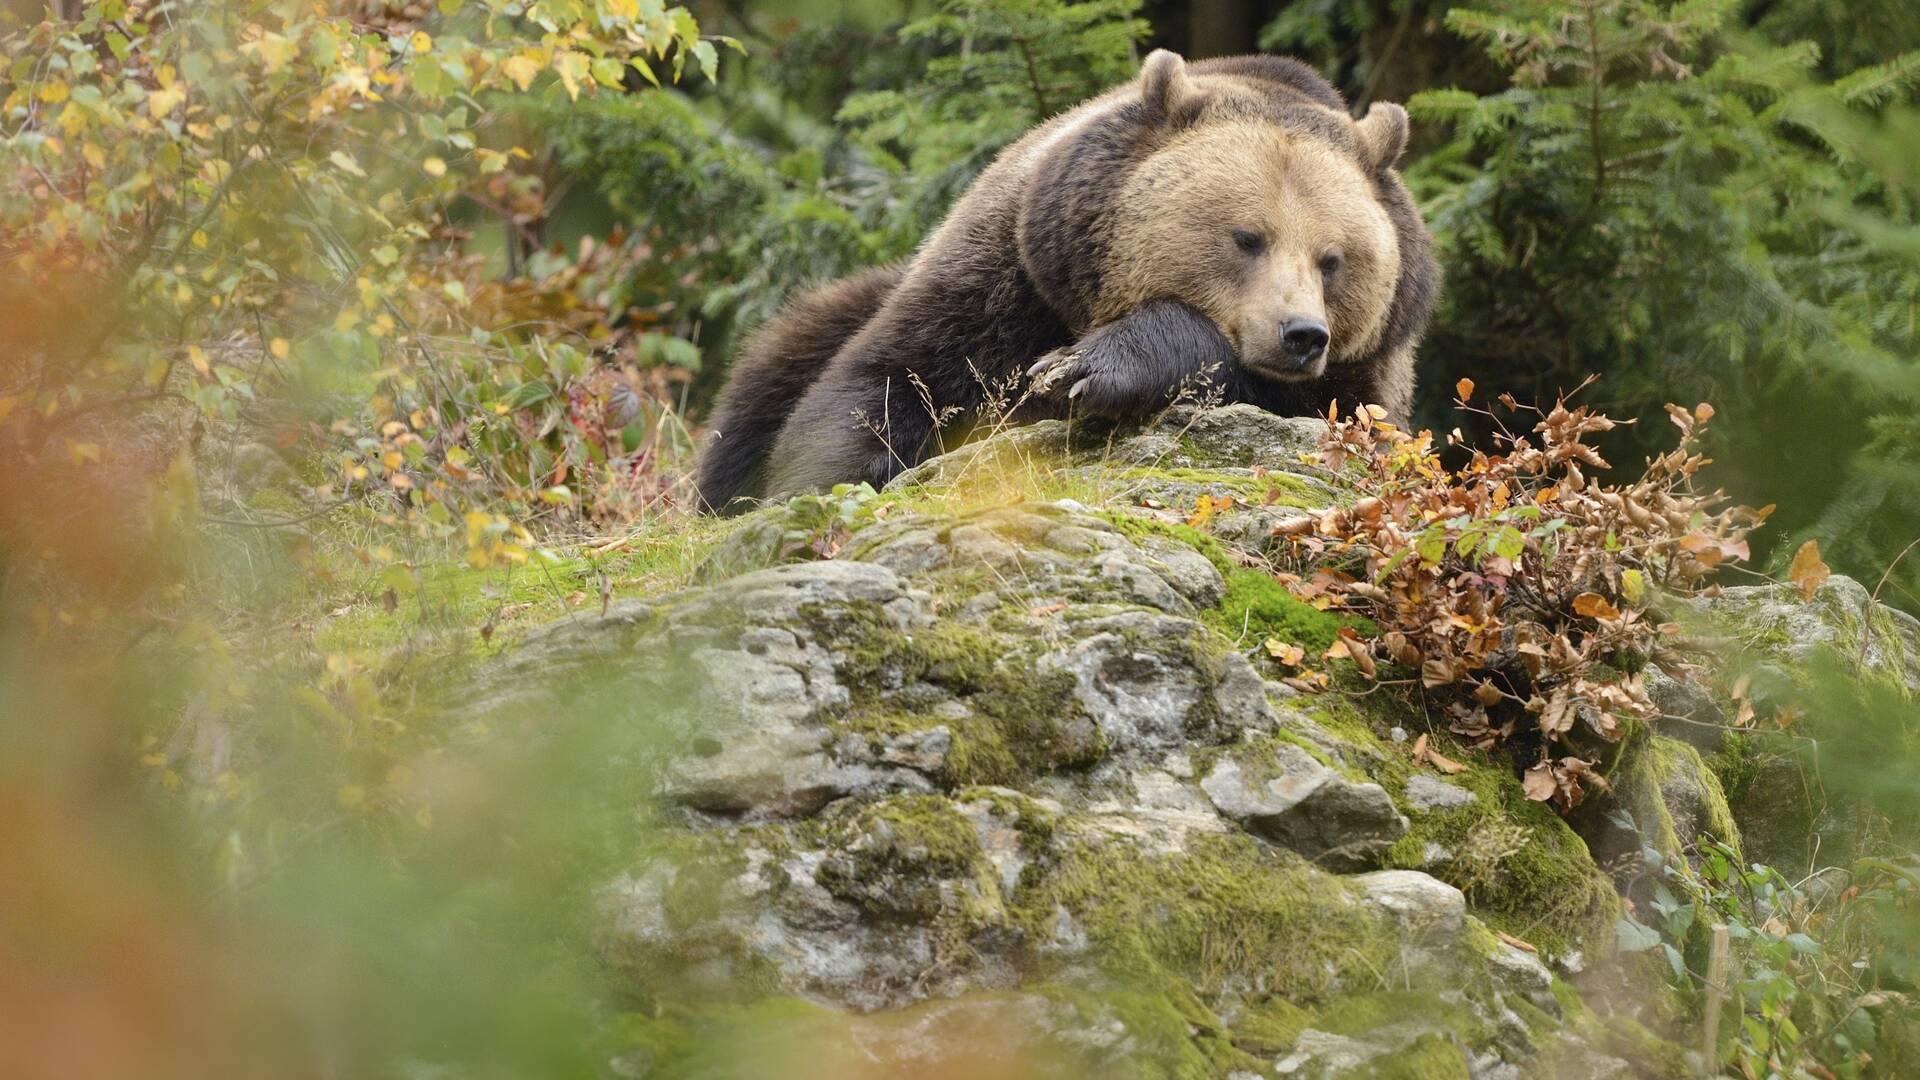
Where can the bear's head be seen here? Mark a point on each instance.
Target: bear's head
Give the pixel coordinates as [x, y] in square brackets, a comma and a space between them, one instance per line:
[1275, 214]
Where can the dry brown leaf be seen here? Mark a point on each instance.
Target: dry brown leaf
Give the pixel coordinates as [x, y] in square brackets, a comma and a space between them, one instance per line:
[1043, 610]
[1808, 572]
[1539, 784]
[1518, 943]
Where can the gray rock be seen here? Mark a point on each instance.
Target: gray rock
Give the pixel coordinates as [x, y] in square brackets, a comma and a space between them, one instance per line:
[1143, 679]
[1688, 710]
[1419, 904]
[1521, 972]
[1427, 793]
[1299, 803]
[1774, 618]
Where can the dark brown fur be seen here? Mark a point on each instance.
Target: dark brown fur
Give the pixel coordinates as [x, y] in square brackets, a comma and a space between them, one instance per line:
[835, 388]
[779, 363]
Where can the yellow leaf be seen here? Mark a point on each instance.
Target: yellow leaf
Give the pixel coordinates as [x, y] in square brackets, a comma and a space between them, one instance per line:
[82, 452]
[1633, 585]
[197, 356]
[279, 347]
[1808, 572]
[7, 402]
[434, 167]
[572, 67]
[421, 41]
[522, 69]
[200, 239]
[162, 101]
[157, 373]
[1285, 652]
[153, 761]
[54, 92]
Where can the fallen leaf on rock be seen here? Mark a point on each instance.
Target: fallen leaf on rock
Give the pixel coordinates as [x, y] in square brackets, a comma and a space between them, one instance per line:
[1523, 946]
[1286, 652]
[1808, 572]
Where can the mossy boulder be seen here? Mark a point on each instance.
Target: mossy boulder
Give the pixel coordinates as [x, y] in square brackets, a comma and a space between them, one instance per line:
[1012, 781]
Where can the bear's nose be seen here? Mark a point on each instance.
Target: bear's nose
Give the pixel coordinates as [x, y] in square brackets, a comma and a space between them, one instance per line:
[1304, 340]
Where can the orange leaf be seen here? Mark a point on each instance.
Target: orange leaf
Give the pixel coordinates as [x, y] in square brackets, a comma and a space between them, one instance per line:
[1594, 606]
[1807, 571]
[1464, 388]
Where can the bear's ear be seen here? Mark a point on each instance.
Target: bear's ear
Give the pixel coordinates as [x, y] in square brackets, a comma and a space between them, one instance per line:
[1164, 86]
[1383, 134]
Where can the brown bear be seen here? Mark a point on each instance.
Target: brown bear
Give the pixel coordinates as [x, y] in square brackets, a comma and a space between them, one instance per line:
[1224, 225]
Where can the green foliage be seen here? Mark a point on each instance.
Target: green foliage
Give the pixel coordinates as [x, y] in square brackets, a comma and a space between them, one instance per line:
[1818, 966]
[1692, 214]
[996, 68]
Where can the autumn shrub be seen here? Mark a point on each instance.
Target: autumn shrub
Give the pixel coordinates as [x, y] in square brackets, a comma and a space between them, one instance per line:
[1523, 592]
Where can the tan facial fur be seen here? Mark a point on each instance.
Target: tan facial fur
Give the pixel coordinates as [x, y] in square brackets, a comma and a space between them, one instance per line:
[1304, 198]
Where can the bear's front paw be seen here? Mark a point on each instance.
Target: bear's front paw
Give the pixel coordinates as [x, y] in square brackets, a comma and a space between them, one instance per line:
[1087, 377]
[1061, 374]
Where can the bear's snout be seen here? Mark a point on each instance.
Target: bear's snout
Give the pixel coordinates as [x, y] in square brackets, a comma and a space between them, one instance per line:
[1303, 341]
[1292, 348]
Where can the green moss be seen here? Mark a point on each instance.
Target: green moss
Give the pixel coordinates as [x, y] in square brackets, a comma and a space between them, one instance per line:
[1429, 1057]
[1269, 1028]
[921, 831]
[1018, 719]
[1226, 907]
[1138, 527]
[1033, 822]
[776, 1036]
[1649, 1054]
[1362, 1014]
[1170, 1036]
[1256, 607]
[1652, 765]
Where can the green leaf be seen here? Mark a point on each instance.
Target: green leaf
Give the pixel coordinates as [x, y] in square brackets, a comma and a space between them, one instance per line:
[1634, 936]
[528, 393]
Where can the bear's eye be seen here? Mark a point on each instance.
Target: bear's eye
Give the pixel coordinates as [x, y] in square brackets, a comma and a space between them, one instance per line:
[1250, 242]
[1330, 264]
